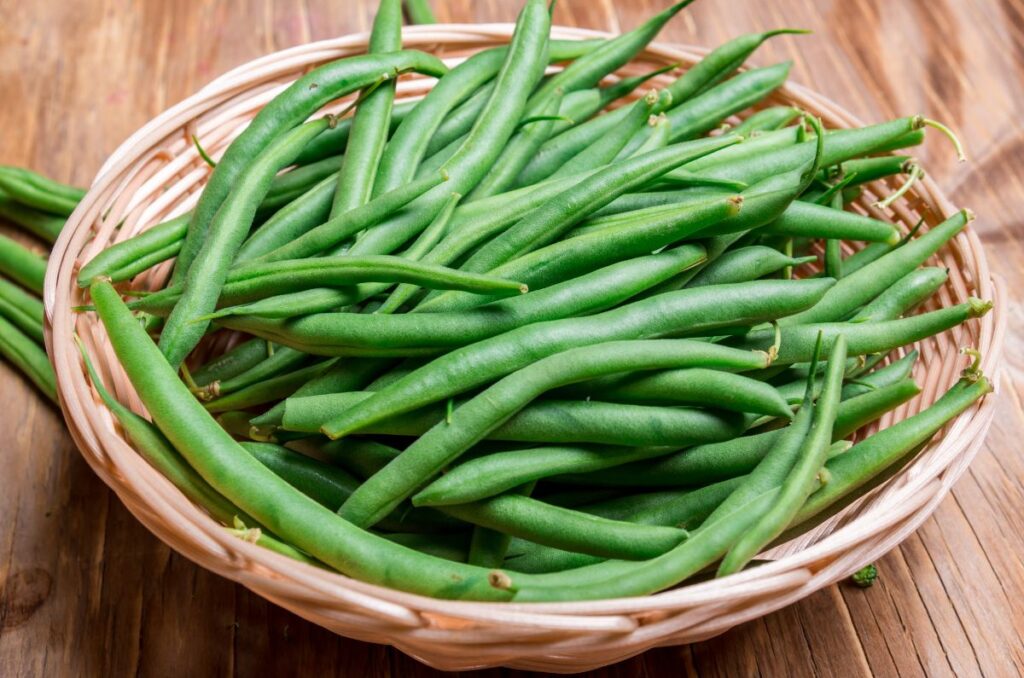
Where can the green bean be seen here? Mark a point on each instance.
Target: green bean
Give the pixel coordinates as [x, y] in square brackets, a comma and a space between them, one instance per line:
[350, 333]
[255, 535]
[300, 100]
[272, 389]
[298, 217]
[232, 363]
[801, 480]
[568, 529]
[295, 183]
[548, 222]
[25, 354]
[22, 309]
[898, 369]
[154, 447]
[280, 360]
[370, 123]
[807, 220]
[260, 280]
[36, 191]
[327, 144]
[40, 224]
[865, 464]
[904, 295]
[719, 461]
[863, 285]
[751, 148]
[479, 416]
[766, 120]
[698, 310]
[607, 148]
[743, 264]
[340, 378]
[692, 386]
[864, 338]
[209, 267]
[360, 457]
[26, 268]
[161, 238]
[533, 132]
[327, 485]
[493, 474]
[660, 136]
[256, 490]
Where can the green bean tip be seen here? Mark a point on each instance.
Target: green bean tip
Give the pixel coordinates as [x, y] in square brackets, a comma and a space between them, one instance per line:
[979, 307]
[499, 580]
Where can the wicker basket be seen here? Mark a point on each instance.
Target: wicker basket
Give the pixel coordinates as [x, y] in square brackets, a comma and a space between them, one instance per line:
[157, 174]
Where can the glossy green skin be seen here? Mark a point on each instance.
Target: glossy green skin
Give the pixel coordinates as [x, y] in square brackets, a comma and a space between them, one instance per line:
[478, 364]
[732, 458]
[695, 386]
[22, 309]
[255, 489]
[519, 149]
[328, 485]
[802, 478]
[360, 457]
[904, 295]
[546, 421]
[298, 217]
[296, 182]
[26, 268]
[567, 529]
[328, 144]
[261, 280]
[607, 148]
[209, 268]
[371, 121]
[232, 363]
[492, 474]
[865, 338]
[477, 222]
[281, 360]
[290, 108]
[898, 369]
[34, 190]
[863, 285]
[270, 390]
[807, 220]
[743, 264]
[158, 451]
[342, 377]
[493, 128]
[684, 509]
[477, 417]
[352, 333]
[867, 169]
[767, 120]
[41, 224]
[163, 237]
[25, 354]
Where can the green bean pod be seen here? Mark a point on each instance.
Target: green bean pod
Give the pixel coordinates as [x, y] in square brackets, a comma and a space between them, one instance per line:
[25, 354]
[477, 417]
[347, 333]
[744, 264]
[258, 491]
[477, 364]
[298, 217]
[26, 268]
[22, 309]
[273, 389]
[231, 363]
[36, 191]
[164, 237]
[40, 224]
[290, 108]
[807, 220]
[289, 186]
[904, 295]
[328, 143]
[261, 280]
[273, 364]
[564, 528]
[766, 120]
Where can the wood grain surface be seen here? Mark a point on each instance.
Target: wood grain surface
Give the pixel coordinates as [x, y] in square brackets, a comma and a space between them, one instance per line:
[86, 591]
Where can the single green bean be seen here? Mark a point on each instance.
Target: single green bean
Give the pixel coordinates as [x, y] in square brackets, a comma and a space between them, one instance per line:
[232, 363]
[743, 264]
[22, 309]
[767, 120]
[26, 268]
[160, 238]
[270, 390]
[904, 295]
[280, 360]
[807, 220]
[40, 224]
[25, 354]
[36, 191]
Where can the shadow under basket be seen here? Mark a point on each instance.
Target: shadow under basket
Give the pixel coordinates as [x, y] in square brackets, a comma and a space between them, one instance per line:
[157, 173]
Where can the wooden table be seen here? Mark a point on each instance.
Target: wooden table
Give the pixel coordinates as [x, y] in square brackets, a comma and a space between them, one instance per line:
[85, 590]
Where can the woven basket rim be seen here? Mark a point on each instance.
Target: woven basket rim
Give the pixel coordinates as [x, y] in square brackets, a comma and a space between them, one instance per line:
[190, 531]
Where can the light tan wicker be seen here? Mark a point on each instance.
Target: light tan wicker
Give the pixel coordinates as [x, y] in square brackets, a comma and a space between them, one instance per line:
[157, 173]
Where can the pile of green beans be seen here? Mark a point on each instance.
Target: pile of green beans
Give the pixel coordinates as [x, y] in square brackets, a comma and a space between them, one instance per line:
[500, 344]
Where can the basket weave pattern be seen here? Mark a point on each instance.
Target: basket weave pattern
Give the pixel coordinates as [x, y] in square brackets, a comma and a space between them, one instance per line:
[157, 174]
